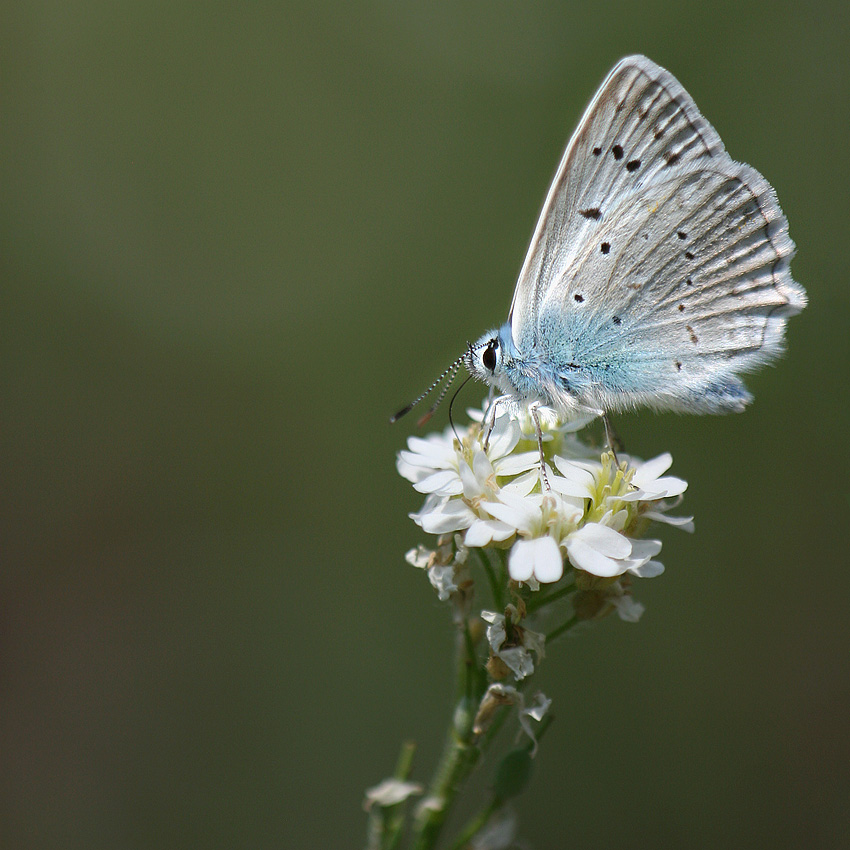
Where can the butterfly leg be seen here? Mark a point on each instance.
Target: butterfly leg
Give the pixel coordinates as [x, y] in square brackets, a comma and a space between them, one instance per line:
[612, 438]
[535, 416]
[491, 415]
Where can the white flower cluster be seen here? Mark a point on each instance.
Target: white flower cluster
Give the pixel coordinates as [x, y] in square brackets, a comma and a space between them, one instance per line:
[487, 487]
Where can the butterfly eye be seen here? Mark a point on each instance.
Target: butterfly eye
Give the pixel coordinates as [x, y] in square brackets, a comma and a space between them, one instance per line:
[488, 358]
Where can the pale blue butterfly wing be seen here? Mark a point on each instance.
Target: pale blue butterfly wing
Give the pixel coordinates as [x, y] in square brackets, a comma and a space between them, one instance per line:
[659, 268]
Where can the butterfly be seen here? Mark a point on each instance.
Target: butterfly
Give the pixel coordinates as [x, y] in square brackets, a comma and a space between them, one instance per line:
[658, 272]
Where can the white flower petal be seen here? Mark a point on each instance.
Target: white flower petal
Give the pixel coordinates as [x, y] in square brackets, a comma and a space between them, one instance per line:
[515, 464]
[549, 562]
[434, 445]
[427, 455]
[408, 471]
[633, 495]
[647, 478]
[521, 561]
[578, 473]
[462, 552]
[432, 503]
[663, 488]
[482, 532]
[472, 486]
[443, 483]
[539, 557]
[650, 569]
[645, 548]
[585, 557]
[538, 707]
[419, 557]
[482, 467]
[534, 641]
[615, 520]
[568, 487]
[518, 660]
[650, 470]
[591, 466]
[628, 609]
[642, 551]
[390, 792]
[504, 437]
[442, 579]
[451, 515]
[605, 540]
[521, 513]
[496, 633]
[535, 711]
[686, 523]
[523, 484]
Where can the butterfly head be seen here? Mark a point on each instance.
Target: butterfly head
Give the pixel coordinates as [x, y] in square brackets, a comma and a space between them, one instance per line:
[489, 360]
[496, 360]
[483, 359]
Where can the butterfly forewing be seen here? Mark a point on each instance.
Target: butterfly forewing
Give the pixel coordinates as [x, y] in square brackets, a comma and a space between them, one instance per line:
[659, 267]
[638, 121]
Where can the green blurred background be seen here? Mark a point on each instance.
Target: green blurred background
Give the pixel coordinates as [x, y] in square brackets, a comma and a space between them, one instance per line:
[235, 237]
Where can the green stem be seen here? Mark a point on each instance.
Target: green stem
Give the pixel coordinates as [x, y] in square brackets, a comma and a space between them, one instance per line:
[504, 574]
[480, 820]
[405, 760]
[496, 587]
[387, 822]
[564, 627]
[459, 757]
[476, 824]
[461, 751]
[463, 747]
[535, 603]
[468, 679]
[396, 815]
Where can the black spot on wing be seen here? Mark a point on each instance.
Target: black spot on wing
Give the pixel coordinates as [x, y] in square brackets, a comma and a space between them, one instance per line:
[688, 255]
[617, 320]
[633, 165]
[681, 234]
[597, 151]
[591, 212]
[578, 298]
[617, 150]
[605, 247]
[691, 334]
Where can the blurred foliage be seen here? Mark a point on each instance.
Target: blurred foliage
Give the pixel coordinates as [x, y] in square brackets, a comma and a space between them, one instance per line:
[233, 241]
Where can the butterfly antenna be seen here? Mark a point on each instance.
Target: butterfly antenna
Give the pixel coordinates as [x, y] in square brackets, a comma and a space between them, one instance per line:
[451, 404]
[451, 371]
[432, 409]
[468, 357]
